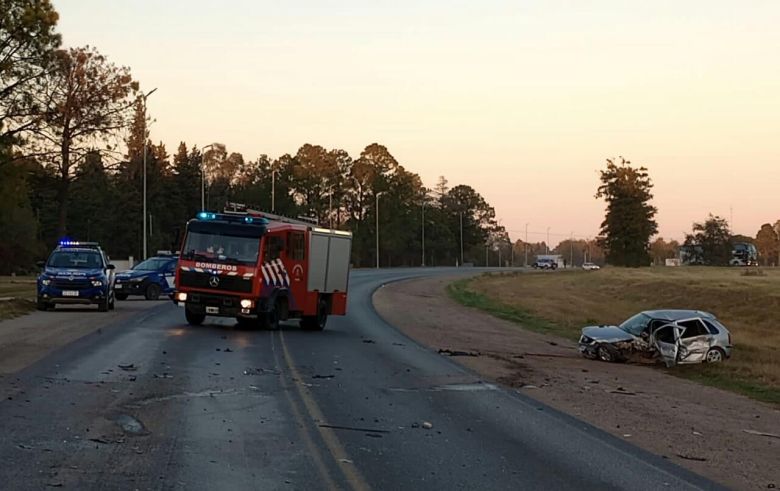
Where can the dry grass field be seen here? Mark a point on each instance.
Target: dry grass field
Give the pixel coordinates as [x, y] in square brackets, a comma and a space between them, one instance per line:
[22, 290]
[562, 302]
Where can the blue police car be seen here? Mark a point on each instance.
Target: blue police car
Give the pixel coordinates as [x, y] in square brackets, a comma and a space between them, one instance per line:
[76, 273]
[149, 278]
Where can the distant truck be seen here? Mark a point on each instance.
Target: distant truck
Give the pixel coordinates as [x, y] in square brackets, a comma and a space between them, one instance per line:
[261, 269]
[743, 254]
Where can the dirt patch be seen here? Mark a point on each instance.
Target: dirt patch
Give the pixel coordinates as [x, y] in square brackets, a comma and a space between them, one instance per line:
[698, 427]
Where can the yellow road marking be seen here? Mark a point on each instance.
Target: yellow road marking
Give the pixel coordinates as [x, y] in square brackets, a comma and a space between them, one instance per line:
[352, 475]
[314, 451]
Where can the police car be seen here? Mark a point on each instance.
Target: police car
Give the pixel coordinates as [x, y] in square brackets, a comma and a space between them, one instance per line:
[149, 278]
[76, 273]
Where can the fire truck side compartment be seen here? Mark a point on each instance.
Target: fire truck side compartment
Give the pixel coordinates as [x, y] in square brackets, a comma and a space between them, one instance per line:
[329, 255]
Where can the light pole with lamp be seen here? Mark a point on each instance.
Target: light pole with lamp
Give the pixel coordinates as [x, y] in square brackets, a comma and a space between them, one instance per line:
[145, 96]
[461, 238]
[203, 175]
[274, 172]
[548, 240]
[423, 233]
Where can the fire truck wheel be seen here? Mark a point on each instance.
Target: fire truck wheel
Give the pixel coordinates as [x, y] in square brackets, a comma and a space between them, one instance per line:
[152, 291]
[194, 319]
[316, 322]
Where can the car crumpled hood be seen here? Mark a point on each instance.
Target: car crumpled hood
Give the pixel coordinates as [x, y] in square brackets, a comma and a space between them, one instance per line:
[76, 273]
[608, 334]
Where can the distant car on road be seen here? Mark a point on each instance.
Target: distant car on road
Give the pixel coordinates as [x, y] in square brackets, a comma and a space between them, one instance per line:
[590, 266]
[76, 273]
[545, 263]
[149, 278]
[678, 336]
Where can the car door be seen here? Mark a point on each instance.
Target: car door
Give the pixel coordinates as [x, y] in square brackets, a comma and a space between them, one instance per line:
[695, 341]
[169, 276]
[667, 341]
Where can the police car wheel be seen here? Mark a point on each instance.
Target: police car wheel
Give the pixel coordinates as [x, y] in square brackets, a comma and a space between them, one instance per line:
[103, 305]
[152, 291]
[121, 296]
[41, 305]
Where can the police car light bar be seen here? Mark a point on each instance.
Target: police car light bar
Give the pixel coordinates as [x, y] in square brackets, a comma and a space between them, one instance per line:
[75, 243]
[205, 215]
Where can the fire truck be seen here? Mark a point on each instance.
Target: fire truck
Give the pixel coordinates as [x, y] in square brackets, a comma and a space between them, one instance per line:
[261, 269]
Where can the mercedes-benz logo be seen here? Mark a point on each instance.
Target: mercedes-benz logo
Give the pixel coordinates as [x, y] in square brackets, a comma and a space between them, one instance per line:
[214, 281]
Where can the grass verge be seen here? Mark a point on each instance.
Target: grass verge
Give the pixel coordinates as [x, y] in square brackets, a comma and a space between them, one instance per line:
[561, 303]
[15, 307]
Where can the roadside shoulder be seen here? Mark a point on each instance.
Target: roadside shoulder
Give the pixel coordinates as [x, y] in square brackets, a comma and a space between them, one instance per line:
[698, 427]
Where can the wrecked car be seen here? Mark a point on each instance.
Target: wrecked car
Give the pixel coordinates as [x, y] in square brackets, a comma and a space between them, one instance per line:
[674, 336]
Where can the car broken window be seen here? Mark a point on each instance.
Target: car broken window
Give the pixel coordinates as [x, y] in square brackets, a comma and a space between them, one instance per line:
[693, 328]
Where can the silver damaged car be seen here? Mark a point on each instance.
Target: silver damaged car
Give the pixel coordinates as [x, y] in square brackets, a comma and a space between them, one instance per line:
[675, 336]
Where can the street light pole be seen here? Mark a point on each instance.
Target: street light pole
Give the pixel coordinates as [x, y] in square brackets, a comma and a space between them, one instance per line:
[145, 96]
[548, 240]
[377, 228]
[273, 190]
[461, 238]
[423, 233]
[203, 175]
[571, 250]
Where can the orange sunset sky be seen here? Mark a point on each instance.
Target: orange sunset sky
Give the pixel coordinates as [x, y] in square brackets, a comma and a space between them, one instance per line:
[522, 100]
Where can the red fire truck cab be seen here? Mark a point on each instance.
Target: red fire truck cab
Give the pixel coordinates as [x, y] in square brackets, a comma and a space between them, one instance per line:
[261, 269]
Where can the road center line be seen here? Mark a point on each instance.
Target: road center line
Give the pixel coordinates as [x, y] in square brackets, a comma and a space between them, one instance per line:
[340, 456]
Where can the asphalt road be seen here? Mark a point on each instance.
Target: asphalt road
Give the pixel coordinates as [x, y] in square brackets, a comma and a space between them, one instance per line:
[215, 407]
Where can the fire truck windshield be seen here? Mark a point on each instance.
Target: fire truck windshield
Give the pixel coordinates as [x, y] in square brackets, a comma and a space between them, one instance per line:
[222, 248]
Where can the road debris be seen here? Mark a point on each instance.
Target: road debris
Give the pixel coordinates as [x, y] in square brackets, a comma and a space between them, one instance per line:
[261, 371]
[130, 424]
[128, 368]
[352, 428]
[427, 425]
[163, 375]
[449, 352]
[317, 375]
[691, 457]
[761, 433]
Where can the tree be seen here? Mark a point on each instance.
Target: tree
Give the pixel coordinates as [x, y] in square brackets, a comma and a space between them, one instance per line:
[87, 100]
[768, 245]
[710, 242]
[27, 43]
[630, 218]
[661, 250]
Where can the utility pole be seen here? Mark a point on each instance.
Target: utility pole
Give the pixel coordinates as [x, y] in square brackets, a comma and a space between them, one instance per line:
[145, 96]
[486, 256]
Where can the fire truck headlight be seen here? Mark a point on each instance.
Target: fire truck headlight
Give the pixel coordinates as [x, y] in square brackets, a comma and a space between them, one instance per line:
[181, 297]
[97, 283]
[246, 303]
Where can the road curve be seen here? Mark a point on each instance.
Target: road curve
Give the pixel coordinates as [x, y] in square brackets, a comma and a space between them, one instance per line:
[150, 403]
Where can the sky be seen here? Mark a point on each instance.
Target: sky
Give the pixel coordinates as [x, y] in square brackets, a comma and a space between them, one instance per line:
[522, 100]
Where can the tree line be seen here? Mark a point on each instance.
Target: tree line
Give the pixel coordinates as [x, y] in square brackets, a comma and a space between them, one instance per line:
[74, 138]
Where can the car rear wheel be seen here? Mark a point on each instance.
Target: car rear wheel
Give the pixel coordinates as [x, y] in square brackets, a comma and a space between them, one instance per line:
[152, 291]
[121, 296]
[714, 355]
[193, 318]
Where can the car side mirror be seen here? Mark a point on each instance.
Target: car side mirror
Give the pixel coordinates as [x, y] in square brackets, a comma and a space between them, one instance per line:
[110, 266]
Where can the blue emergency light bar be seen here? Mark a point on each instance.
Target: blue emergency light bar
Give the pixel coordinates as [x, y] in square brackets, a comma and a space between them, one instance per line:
[75, 243]
[234, 218]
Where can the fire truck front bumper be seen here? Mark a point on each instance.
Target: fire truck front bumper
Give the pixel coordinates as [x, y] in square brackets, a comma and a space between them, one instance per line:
[216, 305]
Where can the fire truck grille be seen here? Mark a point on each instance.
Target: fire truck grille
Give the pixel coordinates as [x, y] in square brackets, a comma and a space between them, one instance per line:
[226, 283]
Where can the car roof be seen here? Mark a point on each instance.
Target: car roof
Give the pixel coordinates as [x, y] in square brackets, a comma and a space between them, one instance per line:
[677, 314]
